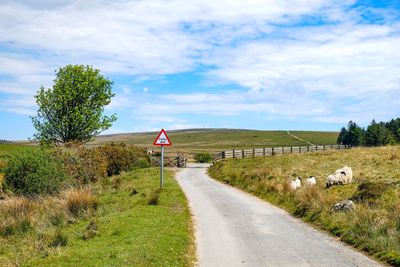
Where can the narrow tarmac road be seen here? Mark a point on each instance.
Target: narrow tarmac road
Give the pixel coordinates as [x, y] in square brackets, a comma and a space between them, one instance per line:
[234, 228]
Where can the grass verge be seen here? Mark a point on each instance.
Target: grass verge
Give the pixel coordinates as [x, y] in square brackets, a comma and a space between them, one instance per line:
[115, 227]
[373, 227]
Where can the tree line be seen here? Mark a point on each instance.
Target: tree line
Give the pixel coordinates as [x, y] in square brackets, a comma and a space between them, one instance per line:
[376, 134]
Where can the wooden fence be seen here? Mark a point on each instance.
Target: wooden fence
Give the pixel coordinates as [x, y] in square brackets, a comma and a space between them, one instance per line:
[271, 151]
[170, 161]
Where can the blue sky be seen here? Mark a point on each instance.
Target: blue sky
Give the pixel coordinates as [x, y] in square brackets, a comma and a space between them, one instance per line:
[176, 64]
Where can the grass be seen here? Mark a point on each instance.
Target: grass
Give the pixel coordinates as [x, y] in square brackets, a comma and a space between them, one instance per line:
[318, 138]
[374, 227]
[121, 228]
[215, 140]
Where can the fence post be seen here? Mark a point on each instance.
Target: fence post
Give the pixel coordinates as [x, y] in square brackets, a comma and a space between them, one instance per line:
[291, 150]
[223, 154]
[299, 149]
[233, 153]
[283, 150]
[324, 147]
[263, 151]
[242, 153]
[331, 147]
[254, 152]
[316, 148]
[273, 151]
[308, 148]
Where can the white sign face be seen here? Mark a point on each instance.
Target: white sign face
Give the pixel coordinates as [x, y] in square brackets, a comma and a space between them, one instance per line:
[162, 139]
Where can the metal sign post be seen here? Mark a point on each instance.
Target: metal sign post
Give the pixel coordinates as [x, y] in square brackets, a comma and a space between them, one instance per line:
[162, 140]
[162, 168]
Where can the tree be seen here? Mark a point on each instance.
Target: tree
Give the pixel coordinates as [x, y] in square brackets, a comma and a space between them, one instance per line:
[353, 135]
[73, 109]
[378, 135]
[342, 136]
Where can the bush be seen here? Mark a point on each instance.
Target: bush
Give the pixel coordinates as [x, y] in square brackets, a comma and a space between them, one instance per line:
[33, 173]
[82, 164]
[121, 157]
[203, 157]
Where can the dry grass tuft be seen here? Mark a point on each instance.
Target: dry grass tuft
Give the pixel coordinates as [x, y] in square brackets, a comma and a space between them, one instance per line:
[17, 215]
[309, 198]
[80, 202]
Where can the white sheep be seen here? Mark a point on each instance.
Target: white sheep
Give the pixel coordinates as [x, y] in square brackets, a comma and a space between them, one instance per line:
[311, 180]
[346, 173]
[341, 176]
[296, 183]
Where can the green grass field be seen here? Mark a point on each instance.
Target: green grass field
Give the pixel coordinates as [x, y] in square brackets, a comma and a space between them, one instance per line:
[318, 138]
[129, 231]
[374, 227]
[215, 140]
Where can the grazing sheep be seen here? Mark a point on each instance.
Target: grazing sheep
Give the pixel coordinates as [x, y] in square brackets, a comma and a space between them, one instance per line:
[341, 176]
[347, 174]
[311, 180]
[296, 183]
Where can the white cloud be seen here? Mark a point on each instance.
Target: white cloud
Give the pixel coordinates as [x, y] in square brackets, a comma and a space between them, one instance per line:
[292, 69]
[21, 105]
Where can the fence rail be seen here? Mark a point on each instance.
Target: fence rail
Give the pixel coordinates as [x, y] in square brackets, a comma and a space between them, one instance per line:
[271, 151]
[170, 161]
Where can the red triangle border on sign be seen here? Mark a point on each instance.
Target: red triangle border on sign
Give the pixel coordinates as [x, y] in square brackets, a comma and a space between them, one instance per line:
[158, 136]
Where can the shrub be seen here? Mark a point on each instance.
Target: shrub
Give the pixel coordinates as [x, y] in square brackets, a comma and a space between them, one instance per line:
[16, 215]
[2, 164]
[79, 202]
[81, 164]
[203, 157]
[94, 162]
[32, 173]
[122, 157]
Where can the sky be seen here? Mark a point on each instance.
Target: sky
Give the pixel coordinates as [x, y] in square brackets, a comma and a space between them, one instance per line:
[176, 64]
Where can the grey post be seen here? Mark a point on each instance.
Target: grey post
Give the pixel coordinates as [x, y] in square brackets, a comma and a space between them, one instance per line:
[162, 168]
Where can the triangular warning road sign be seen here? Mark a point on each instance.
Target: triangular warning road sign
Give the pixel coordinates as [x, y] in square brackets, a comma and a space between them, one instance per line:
[162, 139]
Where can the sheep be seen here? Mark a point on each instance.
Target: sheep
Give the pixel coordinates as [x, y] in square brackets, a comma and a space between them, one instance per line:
[341, 176]
[346, 173]
[311, 180]
[296, 183]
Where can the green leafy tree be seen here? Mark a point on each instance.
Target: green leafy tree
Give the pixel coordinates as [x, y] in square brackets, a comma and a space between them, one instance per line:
[353, 135]
[394, 126]
[73, 109]
[342, 135]
[378, 135]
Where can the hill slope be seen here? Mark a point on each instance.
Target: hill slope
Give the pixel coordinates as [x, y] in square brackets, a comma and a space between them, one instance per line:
[213, 140]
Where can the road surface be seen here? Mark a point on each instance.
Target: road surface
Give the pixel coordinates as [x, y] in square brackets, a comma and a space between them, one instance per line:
[234, 228]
